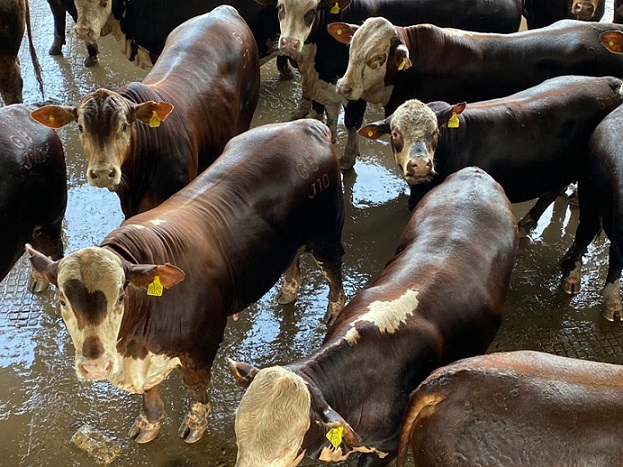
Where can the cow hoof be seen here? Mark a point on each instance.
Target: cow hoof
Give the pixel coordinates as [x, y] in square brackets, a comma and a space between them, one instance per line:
[347, 163]
[571, 285]
[56, 49]
[284, 298]
[90, 61]
[38, 283]
[608, 314]
[143, 431]
[191, 430]
[286, 75]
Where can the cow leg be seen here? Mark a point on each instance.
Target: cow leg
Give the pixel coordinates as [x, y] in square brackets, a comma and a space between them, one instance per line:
[59, 14]
[353, 118]
[317, 112]
[147, 424]
[283, 66]
[291, 281]
[10, 80]
[93, 51]
[196, 421]
[330, 261]
[530, 220]
[302, 109]
[611, 292]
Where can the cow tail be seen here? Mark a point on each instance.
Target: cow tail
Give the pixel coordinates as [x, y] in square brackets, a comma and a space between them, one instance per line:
[418, 401]
[33, 52]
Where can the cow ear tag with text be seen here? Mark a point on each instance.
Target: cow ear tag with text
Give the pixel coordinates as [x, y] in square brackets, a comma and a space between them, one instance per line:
[454, 121]
[154, 122]
[335, 9]
[155, 288]
[335, 436]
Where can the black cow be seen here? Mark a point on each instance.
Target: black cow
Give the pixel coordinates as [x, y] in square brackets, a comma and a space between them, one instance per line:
[440, 298]
[533, 142]
[541, 13]
[322, 61]
[60, 9]
[33, 193]
[428, 63]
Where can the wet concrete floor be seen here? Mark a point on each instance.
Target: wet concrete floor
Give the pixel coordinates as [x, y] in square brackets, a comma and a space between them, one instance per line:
[42, 403]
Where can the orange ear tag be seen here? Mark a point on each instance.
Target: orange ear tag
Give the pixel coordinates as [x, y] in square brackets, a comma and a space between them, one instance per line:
[51, 118]
[154, 122]
[335, 9]
[335, 436]
[454, 121]
[155, 288]
[402, 64]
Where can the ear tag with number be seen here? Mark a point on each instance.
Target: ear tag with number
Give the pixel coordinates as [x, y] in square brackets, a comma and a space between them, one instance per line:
[335, 9]
[335, 436]
[155, 288]
[154, 121]
[402, 64]
[454, 121]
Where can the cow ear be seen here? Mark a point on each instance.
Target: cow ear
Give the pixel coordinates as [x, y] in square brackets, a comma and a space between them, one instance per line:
[445, 111]
[612, 40]
[144, 275]
[42, 264]
[401, 58]
[342, 32]
[376, 130]
[335, 6]
[54, 116]
[151, 112]
[338, 429]
[242, 372]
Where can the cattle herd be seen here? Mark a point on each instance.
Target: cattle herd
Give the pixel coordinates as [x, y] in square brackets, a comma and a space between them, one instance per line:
[479, 115]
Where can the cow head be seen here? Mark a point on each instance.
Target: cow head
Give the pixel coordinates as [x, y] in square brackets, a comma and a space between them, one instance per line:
[586, 10]
[91, 288]
[92, 17]
[414, 129]
[105, 124]
[279, 418]
[297, 19]
[374, 48]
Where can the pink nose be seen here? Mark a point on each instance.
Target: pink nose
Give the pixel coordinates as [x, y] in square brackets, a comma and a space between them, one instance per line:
[419, 166]
[344, 88]
[85, 33]
[95, 369]
[290, 45]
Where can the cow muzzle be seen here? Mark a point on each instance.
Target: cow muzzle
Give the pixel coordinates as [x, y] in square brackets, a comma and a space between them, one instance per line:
[418, 169]
[104, 177]
[583, 11]
[86, 33]
[344, 88]
[290, 46]
[95, 370]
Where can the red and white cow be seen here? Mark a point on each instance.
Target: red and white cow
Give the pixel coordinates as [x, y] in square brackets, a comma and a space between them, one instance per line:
[208, 73]
[216, 246]
[440, 298]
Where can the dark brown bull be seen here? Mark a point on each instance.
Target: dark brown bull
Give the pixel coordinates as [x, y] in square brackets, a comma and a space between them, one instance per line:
[440, 298]
[14, 17]
[231, 233]
[517, 409]
[208, 72]
[33, 193]
[428, 63]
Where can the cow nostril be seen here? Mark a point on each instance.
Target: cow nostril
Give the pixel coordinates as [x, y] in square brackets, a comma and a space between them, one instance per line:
[93, 174]
[429, 164]
[112, 173]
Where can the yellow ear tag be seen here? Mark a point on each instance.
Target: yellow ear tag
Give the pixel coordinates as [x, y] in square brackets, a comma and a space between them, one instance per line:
[51, 117]
[335, 9]
[339, 33]
[454, 121]
[154, 121]
[402, 64]
[370, 133]
[155, 288]
[611, 43]
[335, 436]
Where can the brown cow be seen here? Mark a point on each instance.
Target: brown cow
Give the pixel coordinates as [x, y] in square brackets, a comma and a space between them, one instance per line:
[14, 17]
[208, 72]
[275, 191]
[541, 13]
[440, 298]
[516, 409]
[33, 197]
[389, 64]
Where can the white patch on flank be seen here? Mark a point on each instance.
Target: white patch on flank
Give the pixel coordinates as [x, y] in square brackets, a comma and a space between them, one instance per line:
[157, 221]
[386, 316]
[139, 375]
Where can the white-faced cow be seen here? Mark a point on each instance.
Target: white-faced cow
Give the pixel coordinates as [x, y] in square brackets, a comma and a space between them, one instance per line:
[60, 9]
[541, 13]
[389, 65]
[532, 142]
[208, 73]
[33, 193]
[516, 409]
[322, 61]
[14, 19]
[440, 298]
[216, 246]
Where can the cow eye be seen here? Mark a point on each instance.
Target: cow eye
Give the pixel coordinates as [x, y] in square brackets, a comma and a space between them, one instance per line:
[62, 302]
[80, 129]
[124, 127]
[37, 231]
[121, 298]
[103, 3]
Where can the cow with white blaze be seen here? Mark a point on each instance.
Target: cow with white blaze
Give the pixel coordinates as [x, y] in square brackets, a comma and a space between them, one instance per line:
[389, 64]
[533, 142]
[440, 298]
[206, 93]
[155, 295]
